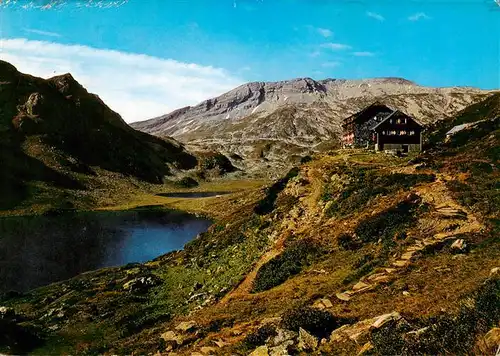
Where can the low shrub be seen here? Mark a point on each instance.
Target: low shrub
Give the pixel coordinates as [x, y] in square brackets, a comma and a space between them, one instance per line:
[187, 182]
[444, 334]
[259, 337]
[295, 257]
[348, 242]
[266, 205]
[388, 223]
[363, 184]
[318, 322]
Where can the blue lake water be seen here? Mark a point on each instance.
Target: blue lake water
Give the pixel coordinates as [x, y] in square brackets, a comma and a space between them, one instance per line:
[38, 250]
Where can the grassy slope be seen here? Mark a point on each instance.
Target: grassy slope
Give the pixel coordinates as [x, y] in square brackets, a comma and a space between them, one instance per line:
[211, 281]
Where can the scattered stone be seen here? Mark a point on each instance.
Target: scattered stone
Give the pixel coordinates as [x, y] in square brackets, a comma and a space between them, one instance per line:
[220, 343]
[417, 332]
[323, 304]
[321, 271]
[6, 312]
[281, 350]
[283, 336]
[338, 335]
[408, 255]
[401, 263]
[406, 293]
[495, 271]
[172, 338]
[492, 338]
[390, 270]
[440, 236]
[274, 321]
[260, 351]
[459, 245]
[383, 319]
[307, 342]
[373, 276]
[196, 296]
[327, 303]
[366, 347]
[186, 326]
[207, 350]
[382, 279]
[142, 284]
[343, 296]
[359, 286]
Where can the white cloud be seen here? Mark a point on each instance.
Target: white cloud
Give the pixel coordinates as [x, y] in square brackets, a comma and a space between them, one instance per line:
[376, 16]
[43, 33]
[419, 16]
[315, 54]
[335, 46]
[364, 54]
[330, 64]
[325, 32]
[135, 85]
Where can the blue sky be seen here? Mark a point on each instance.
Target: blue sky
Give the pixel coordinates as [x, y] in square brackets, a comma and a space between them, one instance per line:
[148, 57]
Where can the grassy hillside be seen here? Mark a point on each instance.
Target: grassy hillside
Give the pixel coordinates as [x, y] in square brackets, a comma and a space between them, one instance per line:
[54, 131]
[350, 252]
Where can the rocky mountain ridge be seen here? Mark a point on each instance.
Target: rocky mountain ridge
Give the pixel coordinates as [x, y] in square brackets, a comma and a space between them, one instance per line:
[266, 122]
[54, 133]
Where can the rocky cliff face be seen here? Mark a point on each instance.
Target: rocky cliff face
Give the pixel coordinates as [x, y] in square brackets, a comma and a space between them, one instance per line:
[267, 122]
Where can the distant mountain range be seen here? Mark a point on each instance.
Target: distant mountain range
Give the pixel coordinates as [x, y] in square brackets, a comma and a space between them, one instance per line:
[272, 124]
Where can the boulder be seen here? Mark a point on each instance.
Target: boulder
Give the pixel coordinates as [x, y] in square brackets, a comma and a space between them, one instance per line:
[383, 319]
[186, 326]
[360, 286]
[343, 296]
[458, 245]
[307, 342]
[207, 350]
[282, 349]
[142, 284]
[282, 336]
[366, 348]
[495, 272]
[323, 303]
[492, 338]
[260, 351]
[173, 339]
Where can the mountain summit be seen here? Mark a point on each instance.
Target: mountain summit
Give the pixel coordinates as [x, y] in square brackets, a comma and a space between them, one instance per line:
[270, 121]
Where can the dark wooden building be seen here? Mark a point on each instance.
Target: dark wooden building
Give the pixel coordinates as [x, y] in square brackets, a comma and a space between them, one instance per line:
[383, 128]
[398, 131]
[357, 128]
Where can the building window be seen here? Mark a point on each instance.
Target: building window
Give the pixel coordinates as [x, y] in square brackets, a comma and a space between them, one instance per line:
[398, 121]
[412, 133]
[405, 120]
[390, 121]
[383, 133]
[402, 133]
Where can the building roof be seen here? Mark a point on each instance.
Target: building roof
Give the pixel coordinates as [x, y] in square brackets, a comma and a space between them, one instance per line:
[353, 117]
[393, 114]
